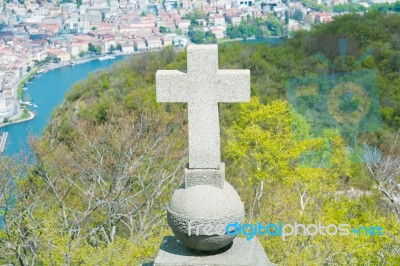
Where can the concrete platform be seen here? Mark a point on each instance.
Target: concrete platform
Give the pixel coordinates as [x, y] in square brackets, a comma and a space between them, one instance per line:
[240, 253]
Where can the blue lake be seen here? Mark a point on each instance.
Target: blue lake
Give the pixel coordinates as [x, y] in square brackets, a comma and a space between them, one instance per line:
[47, 92]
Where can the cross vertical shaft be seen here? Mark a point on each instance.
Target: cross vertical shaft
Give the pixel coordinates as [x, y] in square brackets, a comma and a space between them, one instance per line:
[204, 135]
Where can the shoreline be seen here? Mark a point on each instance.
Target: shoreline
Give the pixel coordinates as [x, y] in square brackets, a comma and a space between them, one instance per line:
[31, 117]
[45, 69]
[53, 66]
[82, 61]
[252, 38]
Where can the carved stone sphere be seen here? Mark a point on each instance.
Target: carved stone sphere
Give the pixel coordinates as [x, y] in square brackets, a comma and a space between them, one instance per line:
[198, 215]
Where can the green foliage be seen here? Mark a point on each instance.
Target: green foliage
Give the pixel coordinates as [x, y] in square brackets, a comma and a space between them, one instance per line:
[91, 48]
[118, 47]
[261, 132]
[314, 5]
[111, 49]
[95, 49]
[264, 152]
[195, 14]
[274, 25]
[78, 228]
[82, 53]
[179, 32]
[21, 84]
[385, 7]
[24, 114]
[196, 36]
[298, 15]
[56, 60]
[255, 27]
[210, 37]
[42, 62]
[349, 8]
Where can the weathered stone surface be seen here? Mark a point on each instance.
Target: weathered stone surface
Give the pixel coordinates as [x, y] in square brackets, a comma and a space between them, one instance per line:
[193, 208]
[204, 242]
[203, 87]
[211, 177]
[240, 253]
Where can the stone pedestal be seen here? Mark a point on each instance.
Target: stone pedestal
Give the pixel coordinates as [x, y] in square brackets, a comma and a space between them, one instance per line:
[240, 253]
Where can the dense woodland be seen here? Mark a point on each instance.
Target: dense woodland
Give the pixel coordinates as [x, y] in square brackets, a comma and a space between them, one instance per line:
[110, 158]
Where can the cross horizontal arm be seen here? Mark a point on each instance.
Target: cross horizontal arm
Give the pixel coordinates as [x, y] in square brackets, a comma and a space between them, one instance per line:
[172, 86]
[233, 85]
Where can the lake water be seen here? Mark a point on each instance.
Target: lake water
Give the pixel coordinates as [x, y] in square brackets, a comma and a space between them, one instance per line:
[47, 92]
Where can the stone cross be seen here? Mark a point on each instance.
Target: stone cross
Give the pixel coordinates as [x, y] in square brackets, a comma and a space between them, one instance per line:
[203, 86]
[205, 200]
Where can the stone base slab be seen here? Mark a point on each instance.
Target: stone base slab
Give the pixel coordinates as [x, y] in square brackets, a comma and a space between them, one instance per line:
[240, 253]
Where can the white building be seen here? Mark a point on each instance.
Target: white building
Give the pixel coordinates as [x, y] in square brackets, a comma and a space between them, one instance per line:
[242, 3]
[4, 112]
[127, 47]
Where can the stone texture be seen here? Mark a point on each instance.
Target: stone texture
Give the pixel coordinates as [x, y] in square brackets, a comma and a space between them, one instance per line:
[203, 205]
[211, 177]
[203, 86]
[240, 253]
[204, 242]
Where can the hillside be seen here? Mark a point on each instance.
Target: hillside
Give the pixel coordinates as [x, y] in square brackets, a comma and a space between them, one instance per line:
[111, 157]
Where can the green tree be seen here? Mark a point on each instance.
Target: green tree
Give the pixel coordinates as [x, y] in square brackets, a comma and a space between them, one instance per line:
[265, 147]
[210, 37]
[92, 48]
[196, 36]
[274, 25]
[232, 32]
[349, 8]
[43, 228]
[82, 53]
[98, 49]
[179, 32]
[95, 49]
[298, 15]
[111, 49]
[56, 60]
[195, 14]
